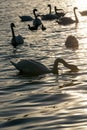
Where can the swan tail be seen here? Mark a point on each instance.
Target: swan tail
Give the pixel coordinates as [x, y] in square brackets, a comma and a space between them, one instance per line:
[14, 64]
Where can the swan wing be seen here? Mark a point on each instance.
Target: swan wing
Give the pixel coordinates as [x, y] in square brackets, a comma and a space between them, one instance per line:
[19, 39]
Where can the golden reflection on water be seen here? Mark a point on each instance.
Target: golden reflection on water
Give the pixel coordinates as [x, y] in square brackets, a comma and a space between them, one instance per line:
[81, 4]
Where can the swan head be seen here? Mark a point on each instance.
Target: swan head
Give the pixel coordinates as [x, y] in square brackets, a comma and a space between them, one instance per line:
[49, 5]
[75, 8]
[12, 25]
[34, 10]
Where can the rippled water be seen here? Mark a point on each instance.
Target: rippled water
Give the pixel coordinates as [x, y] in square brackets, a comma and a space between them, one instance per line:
[46, 102]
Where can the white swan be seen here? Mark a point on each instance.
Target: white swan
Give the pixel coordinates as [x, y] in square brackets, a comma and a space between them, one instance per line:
[68, 20]
[33, 68]
[16, 40]
[72, 42]
[49, 16]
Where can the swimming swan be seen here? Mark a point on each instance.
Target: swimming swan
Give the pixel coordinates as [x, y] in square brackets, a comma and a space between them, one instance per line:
[68, 20]
[16, 40]
[49, 16]
[36, 22]
[59, 12]
[33, 68]
[71, 42]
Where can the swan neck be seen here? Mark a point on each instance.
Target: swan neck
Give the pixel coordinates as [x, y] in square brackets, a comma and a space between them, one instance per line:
[34, 12]
[50, 9]
[76, 18]
[59, 60]
[13, 34]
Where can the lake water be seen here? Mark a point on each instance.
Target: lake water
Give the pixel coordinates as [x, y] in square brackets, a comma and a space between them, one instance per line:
[46, 102]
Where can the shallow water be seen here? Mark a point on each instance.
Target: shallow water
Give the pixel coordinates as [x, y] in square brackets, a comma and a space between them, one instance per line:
[46, 102]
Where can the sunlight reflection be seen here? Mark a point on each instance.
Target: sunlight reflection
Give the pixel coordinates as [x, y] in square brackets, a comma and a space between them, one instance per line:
[81, 4]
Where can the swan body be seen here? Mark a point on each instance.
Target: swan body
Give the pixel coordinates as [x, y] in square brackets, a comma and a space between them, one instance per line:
[33, 68]
[83, 13]
[25, 18]
[32, 28]
[71, 42]
[16, 40]
[49, 16]
[68, 20]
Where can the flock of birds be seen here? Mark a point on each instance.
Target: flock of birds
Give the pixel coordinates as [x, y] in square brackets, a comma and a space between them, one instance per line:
[32, 67]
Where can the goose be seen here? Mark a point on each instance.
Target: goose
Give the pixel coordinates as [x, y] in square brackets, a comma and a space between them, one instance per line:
[36, 22]
[83, 13]
[32, 28]
[71, 42]
[34, 68]
[49, 16]
[68, 20]
[16, 40]
[59, 14]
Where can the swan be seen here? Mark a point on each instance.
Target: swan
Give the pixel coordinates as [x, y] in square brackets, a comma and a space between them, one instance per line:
[83, 13]
[32, 28]
[16, 40]
[33, 68]
[49, 16]
[36, 22]
[68, 20]
[59, 14]
[71, 42]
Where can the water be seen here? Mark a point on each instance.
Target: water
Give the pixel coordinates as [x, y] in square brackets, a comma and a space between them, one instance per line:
[46, 102]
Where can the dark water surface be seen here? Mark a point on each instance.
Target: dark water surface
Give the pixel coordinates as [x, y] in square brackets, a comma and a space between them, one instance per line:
[46, 102]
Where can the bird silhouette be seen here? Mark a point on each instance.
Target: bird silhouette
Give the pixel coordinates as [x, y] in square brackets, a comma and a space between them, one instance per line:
[32, 28]
[72, 42]
[16, 40]
[37, 21]
[68, 20]
[33, 68]
[49, 16]
[59, 12]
